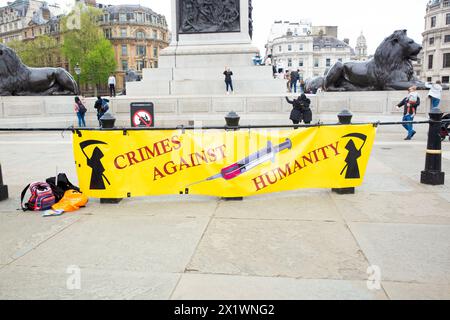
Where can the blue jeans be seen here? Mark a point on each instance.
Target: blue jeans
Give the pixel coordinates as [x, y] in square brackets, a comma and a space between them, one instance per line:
[81, 121]
[408, 127]
[435, 103]
[229, 85]
[294, 85]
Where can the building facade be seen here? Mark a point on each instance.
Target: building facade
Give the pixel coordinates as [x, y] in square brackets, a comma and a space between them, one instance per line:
[435, 58]
[312, 50]
[361, 48]
[18, 15]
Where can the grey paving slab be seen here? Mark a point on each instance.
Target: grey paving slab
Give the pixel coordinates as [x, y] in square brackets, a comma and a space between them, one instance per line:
[406, 252]
[317, 250]
[153, 244]
[223, 287]
[51, 283]
[417, 291]
[158, 206]
[22, 232]
[301, 206]
[399, 207]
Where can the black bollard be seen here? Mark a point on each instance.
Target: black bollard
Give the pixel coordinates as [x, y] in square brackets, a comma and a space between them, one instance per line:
[433, 174]
[107, 122]
[232, 123]
[345, 117]
[3, 188]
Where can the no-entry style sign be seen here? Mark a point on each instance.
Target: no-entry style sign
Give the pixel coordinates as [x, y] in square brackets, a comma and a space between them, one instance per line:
[142, 114]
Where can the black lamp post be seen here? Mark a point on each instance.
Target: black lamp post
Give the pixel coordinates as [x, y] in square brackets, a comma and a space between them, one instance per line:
[77, 70]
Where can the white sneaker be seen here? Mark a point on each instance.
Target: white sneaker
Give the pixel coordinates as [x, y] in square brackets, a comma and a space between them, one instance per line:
[228, 93]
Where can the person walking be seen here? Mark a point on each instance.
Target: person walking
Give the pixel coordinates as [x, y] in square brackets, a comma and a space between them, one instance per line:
[228, 80]
[410, 105]
[295, 76]
[435, 94]
[112, 85]
[301, 110]
[80, 110]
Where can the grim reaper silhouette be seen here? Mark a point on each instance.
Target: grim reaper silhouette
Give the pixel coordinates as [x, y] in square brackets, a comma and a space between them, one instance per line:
[353, 155]
[98, 176]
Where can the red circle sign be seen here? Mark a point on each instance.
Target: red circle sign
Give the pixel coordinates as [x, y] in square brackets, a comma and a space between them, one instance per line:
[142, 118]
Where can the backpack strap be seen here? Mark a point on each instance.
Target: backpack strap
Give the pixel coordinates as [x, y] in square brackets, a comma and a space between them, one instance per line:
[22, 196]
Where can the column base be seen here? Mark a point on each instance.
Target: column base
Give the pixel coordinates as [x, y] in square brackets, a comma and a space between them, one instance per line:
[344, 191]
[433, 178]
[3, 192]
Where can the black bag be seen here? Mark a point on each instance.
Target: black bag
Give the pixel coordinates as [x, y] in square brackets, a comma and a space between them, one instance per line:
[60, 185]
[82, 108]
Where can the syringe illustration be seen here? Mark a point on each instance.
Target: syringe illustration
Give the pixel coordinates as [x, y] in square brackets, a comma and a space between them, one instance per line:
[249, 163]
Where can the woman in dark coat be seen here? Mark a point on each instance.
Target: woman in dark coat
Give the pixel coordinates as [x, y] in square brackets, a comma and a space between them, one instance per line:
[301, 110]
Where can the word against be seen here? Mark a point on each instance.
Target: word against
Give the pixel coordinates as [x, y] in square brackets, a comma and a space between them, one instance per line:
[74, 280]
[242, 310]
[374, 280]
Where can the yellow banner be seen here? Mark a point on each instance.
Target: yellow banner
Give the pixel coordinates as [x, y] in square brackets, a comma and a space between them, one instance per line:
[118, 164]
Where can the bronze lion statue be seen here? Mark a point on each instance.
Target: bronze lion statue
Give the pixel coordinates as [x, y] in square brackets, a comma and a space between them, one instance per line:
[389, 69]
[16, 79]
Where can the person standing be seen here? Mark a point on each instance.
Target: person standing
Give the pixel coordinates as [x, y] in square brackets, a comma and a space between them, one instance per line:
[287, 77]
[435, 94]
[301, 110]
[410, 104]
[80, 110]
[112, 85]
[295, 76]
[228, 80]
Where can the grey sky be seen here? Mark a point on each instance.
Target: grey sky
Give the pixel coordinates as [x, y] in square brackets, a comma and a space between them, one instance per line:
[376, 18]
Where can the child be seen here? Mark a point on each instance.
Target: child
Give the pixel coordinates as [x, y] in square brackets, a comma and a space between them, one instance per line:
[412, 98]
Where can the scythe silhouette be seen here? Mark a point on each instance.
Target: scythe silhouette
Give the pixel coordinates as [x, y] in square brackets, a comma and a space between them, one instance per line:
[358, 136]
[95, 164]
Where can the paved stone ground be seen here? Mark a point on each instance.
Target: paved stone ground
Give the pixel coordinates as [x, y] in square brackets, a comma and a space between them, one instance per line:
[308, 244]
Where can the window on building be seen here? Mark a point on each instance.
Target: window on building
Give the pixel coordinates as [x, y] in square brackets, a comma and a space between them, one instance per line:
[316, 63]
[124, 50]
[340, 59]
[124, 65]
[301, 47]
[107, 33]
[289, 62]
[280, 48]
[433, 22]
[447, 38]
[140, 50]
[155, 52]
[140, 35]
[155, 34]
[328, 62]
[429, 79]
[300, 63]
[446, 63]
[139, 17]
[122, 17]
[446, 79]
[123, 33]
[430, 61]
[140, 64]
[289, 47]
[431, 41]
[447, 19]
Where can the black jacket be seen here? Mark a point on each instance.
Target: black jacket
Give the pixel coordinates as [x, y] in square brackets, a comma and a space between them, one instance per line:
[411, 110]
[301, 109]
[228, 75]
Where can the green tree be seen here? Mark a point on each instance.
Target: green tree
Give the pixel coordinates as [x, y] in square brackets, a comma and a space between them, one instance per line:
[85, 44]
[101, 62]
[43, 51]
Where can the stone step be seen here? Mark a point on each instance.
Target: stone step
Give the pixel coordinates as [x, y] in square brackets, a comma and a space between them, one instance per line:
[206, 74]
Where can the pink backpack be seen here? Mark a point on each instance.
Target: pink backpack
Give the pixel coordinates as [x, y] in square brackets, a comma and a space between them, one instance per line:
[42, 197]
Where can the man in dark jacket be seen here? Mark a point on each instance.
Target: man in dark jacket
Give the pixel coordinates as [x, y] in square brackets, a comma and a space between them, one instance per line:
[101, 105]
[301, 110]
[409, 113]
[228, 80]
